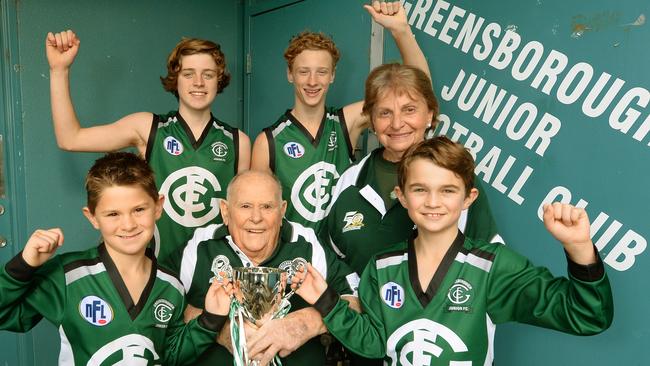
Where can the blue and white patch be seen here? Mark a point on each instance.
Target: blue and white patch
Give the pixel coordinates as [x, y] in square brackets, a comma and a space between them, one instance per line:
[95, 310]
[294, 150]
[393, 295]
[173, 146]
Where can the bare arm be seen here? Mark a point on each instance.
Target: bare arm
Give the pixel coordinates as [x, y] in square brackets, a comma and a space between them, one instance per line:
[132, 130]
[244, 162]
[260, 158]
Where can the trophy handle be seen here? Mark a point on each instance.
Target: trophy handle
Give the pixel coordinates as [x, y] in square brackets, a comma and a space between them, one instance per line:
[295, 266]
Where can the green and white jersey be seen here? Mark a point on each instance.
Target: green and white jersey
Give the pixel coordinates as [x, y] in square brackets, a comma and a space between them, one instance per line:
[452, 321]
[191, 174]
[307, 167]
[83, 294]
[360, 225]
[212, 247]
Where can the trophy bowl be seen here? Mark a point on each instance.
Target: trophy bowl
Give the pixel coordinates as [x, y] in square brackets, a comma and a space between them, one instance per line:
[259, 291]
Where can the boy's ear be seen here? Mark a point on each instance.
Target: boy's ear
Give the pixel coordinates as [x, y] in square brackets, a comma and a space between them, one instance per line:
[289, 76]
[90, 217]
[400, 196]
[471, 197]
[159, 206]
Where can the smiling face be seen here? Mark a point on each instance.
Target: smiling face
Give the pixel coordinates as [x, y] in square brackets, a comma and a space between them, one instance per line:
[197, 82]
[126, 218]
[311, 74]
[400, 121]
[253, 214]
[434, 197]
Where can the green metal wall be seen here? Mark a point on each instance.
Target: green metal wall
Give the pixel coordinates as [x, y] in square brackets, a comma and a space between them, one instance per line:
[595, 161]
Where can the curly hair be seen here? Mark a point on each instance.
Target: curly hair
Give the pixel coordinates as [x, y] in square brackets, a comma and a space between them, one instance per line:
[307, 40]
[193, 46]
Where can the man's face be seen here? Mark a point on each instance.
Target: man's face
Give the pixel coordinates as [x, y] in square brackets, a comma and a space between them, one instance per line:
[311, 73]
[254, 214]
[197, 82]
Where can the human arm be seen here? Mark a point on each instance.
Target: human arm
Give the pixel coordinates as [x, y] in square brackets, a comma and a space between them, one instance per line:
[579, 304]
[260, 159]
[29, 290]
[133, 130]
[244, 162]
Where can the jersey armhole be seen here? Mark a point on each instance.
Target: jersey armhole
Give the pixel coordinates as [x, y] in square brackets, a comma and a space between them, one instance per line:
[235, 141]
[271, 142]
[152, 136]
[346, 134]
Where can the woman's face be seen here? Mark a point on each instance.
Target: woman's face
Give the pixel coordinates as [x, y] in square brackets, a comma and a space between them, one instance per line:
[400, 122]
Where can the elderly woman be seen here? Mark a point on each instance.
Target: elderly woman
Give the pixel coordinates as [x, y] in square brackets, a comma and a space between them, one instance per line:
[365, 215]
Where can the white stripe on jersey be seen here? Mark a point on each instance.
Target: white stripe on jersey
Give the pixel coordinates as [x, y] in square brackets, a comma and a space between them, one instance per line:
[318, 259]
[171, 280]
[65, 354]
[169, 120]
[391, 261]
[225, 132]
[475, 261]
[280, 127]
[332, 116]
[491, 327]
[348, 178]
[462, 220]
[81, 272]
[188, 262]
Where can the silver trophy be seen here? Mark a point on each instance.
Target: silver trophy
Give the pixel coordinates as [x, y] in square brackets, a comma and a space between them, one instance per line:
[259, 295]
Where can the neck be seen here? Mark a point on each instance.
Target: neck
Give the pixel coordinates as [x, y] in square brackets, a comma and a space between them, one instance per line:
[434, 245]
[392, 156]
[130, 263]
[308, 115]
[195, 118]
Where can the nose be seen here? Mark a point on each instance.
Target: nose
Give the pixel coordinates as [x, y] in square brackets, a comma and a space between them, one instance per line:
[198, 80]
[128, 223]
[396, 122]
[432, 199]
[256, 215]
[312, 78]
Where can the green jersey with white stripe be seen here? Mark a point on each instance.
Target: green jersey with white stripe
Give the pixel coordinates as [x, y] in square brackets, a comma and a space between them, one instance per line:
[212, 247]
[192, 174]
[452, 321]
[83, 294]
[307, 166]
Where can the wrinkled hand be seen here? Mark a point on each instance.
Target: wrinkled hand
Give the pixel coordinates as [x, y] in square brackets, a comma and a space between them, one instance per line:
[61, 49]
[310, 285]
[389, 14]
[217, 299]
[41, 246]
[570, 226]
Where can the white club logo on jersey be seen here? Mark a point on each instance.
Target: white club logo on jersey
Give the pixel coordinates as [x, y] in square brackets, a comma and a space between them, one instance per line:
[183, 190]
[310, 193]
[163, 311]
[418, 342]
[393, 295]
[173, 146]
[353, 221]
[220, 264]
[331, 142]
[294, 150]
[95, 310]
[460, 292]
[130, 350]
[220, 150]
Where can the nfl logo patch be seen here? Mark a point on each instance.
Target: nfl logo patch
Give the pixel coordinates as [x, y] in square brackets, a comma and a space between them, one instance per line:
[95, 311]
[393, 295]
[294, 150]
[173, 146]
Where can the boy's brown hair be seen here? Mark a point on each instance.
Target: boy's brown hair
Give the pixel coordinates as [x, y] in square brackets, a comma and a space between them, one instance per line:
[444, 153]
[307, 40]
[193, 46]
[118, 169]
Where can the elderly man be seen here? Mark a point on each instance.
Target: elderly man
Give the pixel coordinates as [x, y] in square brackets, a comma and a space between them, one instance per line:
[255, 234]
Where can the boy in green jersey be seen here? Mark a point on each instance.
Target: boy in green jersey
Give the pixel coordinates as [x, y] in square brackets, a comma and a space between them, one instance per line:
[193, 154]
[435, 299]
[112, 304]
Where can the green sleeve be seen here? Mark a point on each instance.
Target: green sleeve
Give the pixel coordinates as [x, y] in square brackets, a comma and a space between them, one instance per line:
[363, 333]
[339, 275]
[28, 294]
[185, 342]
[518, 291]
[481, 225]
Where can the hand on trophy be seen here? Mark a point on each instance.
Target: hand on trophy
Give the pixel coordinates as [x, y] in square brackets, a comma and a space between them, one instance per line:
[309, 284]
[217, 300]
